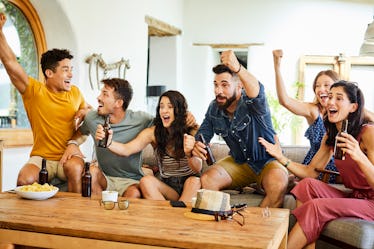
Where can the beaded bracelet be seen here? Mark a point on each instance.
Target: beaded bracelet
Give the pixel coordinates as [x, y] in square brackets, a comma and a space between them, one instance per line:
[287, 163]
[240, 67]
[72, 142]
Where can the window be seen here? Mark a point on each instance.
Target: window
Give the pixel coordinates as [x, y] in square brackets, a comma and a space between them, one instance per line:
[26, 37]
[354, 68]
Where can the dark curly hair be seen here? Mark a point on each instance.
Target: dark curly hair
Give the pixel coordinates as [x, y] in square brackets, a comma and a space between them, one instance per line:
[221, 68]
[355, 119]
[174, 136]
[51, 58]
[122, 90]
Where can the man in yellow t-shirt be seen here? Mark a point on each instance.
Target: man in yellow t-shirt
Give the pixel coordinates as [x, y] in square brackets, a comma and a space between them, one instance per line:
[51, 108]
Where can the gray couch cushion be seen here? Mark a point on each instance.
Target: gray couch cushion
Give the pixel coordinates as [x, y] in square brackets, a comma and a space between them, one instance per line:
[220, 150]
[295, 152]
[149, 157]
[355, 232]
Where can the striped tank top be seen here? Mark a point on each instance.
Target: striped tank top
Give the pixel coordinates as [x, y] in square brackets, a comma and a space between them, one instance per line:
[172, 167]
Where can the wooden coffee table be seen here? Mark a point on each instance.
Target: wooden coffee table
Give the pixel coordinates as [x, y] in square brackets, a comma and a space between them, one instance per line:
[68, 220]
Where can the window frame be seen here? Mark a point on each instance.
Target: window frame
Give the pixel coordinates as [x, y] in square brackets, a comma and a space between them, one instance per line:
[341, 64]
[18, 137]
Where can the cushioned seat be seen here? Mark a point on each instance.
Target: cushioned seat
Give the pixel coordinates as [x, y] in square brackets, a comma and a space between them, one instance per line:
[355, 232]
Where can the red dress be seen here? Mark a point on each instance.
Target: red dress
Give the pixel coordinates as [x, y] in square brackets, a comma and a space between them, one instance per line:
[323, 203]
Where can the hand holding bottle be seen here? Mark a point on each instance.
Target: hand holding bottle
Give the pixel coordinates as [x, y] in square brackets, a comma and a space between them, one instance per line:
[210, 160]
[339, 153]
[103, 133]
[351, 147]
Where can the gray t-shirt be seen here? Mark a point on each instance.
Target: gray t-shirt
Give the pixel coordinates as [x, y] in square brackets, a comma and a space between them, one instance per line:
[126, 130]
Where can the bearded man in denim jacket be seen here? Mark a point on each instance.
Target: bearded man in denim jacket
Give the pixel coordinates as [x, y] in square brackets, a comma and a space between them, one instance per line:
[240, 114]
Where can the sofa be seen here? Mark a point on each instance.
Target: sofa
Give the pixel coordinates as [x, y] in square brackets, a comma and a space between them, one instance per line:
[340, 233]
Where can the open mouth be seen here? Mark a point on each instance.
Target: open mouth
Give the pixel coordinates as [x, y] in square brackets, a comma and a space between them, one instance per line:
[323, 96]
[332, 111]
[166, 118]
[220, 98]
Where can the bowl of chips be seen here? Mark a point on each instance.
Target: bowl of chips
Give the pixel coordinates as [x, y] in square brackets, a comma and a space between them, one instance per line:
[36, 191]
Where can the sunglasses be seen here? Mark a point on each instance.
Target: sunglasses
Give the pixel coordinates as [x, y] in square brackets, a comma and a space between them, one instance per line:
[109, 205]
[230, 215]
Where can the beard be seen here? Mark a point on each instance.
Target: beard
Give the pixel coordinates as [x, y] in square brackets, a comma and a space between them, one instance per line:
[229, 101]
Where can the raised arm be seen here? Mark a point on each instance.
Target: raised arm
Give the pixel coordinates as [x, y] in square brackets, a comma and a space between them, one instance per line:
[16, 73]
[136, 145]
[249, 82]
[307, 110]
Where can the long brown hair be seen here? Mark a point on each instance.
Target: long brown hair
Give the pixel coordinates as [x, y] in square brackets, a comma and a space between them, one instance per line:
[172, 137]
[355, 119]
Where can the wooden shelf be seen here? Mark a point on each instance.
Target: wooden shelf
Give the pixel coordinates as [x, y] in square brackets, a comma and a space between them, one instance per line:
[229, 45]
[14, 137]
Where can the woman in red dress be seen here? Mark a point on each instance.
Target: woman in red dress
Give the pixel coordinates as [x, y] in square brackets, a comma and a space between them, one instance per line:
[317, 202]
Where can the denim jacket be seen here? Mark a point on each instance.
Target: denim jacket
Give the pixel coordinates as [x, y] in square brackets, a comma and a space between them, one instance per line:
[251, 120]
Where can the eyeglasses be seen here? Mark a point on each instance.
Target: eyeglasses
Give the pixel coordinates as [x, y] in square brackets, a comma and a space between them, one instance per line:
[230, 215]
[109, 205]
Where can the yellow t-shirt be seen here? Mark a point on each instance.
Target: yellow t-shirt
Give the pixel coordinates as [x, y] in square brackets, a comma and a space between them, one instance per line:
[51, 117]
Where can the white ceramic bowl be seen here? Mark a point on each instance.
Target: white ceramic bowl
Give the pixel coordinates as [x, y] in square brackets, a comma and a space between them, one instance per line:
[36, 195]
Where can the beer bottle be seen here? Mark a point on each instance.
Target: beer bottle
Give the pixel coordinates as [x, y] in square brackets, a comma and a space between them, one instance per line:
[210, 158]
[43, 173]
[103, 142]
[86, 180]
[338, 152]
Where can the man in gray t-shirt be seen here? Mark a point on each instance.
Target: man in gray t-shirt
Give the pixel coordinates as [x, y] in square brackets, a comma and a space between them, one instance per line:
[115, 173]
[124, 131]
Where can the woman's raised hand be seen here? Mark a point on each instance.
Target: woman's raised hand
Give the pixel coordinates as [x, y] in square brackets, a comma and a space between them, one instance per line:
[274, 150]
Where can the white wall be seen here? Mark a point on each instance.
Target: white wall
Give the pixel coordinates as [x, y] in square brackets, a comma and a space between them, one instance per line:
[13, 160]
[307, 27]
[116, 29]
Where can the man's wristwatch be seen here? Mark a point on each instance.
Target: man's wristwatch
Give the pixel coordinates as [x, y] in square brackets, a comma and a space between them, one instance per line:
[72, 142]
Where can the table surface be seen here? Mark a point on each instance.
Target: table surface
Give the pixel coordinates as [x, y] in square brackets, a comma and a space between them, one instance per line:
[145, 222]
